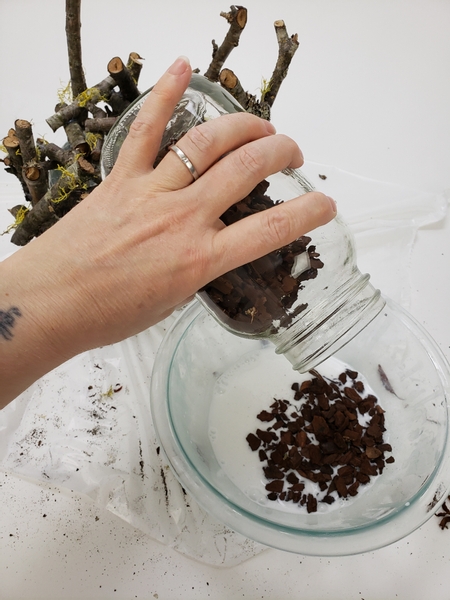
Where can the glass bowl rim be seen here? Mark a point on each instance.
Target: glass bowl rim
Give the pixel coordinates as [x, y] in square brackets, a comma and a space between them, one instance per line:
[387, 530]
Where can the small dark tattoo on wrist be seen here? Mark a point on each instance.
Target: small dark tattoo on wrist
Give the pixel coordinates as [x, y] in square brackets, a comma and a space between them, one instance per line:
[7, 322]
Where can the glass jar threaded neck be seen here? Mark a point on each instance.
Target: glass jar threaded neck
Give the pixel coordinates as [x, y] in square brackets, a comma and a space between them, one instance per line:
[330, 324]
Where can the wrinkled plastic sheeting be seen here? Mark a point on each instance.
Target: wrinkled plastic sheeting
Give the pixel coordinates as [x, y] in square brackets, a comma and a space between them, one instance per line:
[384, 219]
[87, 425]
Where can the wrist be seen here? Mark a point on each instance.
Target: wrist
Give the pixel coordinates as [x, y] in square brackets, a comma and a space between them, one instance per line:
[35, 334]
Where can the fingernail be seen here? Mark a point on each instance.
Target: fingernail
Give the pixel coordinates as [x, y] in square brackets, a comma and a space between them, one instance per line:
[333, 204]
[179, 66]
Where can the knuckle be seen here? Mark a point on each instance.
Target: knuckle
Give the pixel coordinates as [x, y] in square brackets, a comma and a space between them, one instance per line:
[290, 149]
[161, 95]
[286, 140]
[140, 126]
[146, 118]
[277, 227]
[201, 138]
[250, 159]
[242, 119]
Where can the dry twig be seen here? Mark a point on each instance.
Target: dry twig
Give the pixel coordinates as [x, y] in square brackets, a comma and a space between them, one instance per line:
[73, 35]
[85, 123]
[287, 47]
[237, 18]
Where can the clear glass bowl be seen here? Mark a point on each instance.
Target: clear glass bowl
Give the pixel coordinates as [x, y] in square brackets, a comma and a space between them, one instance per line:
[198, 359]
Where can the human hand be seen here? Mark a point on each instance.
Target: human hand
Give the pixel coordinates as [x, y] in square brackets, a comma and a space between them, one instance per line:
[146, 239]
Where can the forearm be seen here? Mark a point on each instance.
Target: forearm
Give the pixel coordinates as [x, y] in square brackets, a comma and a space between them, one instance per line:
[145, 239]
[32, 330]
[23, 357]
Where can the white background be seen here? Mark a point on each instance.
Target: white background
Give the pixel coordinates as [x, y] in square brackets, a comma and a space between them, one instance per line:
[369, 92]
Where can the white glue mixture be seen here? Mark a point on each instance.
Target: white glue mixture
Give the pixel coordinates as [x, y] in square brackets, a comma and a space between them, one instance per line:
[240, 394]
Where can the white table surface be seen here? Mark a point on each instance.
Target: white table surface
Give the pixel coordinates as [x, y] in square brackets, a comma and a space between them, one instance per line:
[369, 92]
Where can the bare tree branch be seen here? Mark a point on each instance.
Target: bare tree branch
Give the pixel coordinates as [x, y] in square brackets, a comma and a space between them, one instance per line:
[24, 134]
[101, 91]
[74, 179]
[55, 153]
[287, 47]
[250, 103]
[134, 66]
[36, 178]
[229, 81]
[123, 78]
[237, 18]
[99, 125]
[73, 36]
[33, 161]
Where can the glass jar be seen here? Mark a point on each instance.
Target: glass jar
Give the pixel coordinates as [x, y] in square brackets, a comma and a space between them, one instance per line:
[308, 298]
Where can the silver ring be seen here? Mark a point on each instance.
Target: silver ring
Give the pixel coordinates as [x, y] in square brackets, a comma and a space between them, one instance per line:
[184, 159]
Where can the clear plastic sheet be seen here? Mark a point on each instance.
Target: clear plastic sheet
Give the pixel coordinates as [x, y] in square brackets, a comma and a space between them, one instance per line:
[87, 425]
[384, 219]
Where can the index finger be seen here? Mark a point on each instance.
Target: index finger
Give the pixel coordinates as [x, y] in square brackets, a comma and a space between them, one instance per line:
[139, 150]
